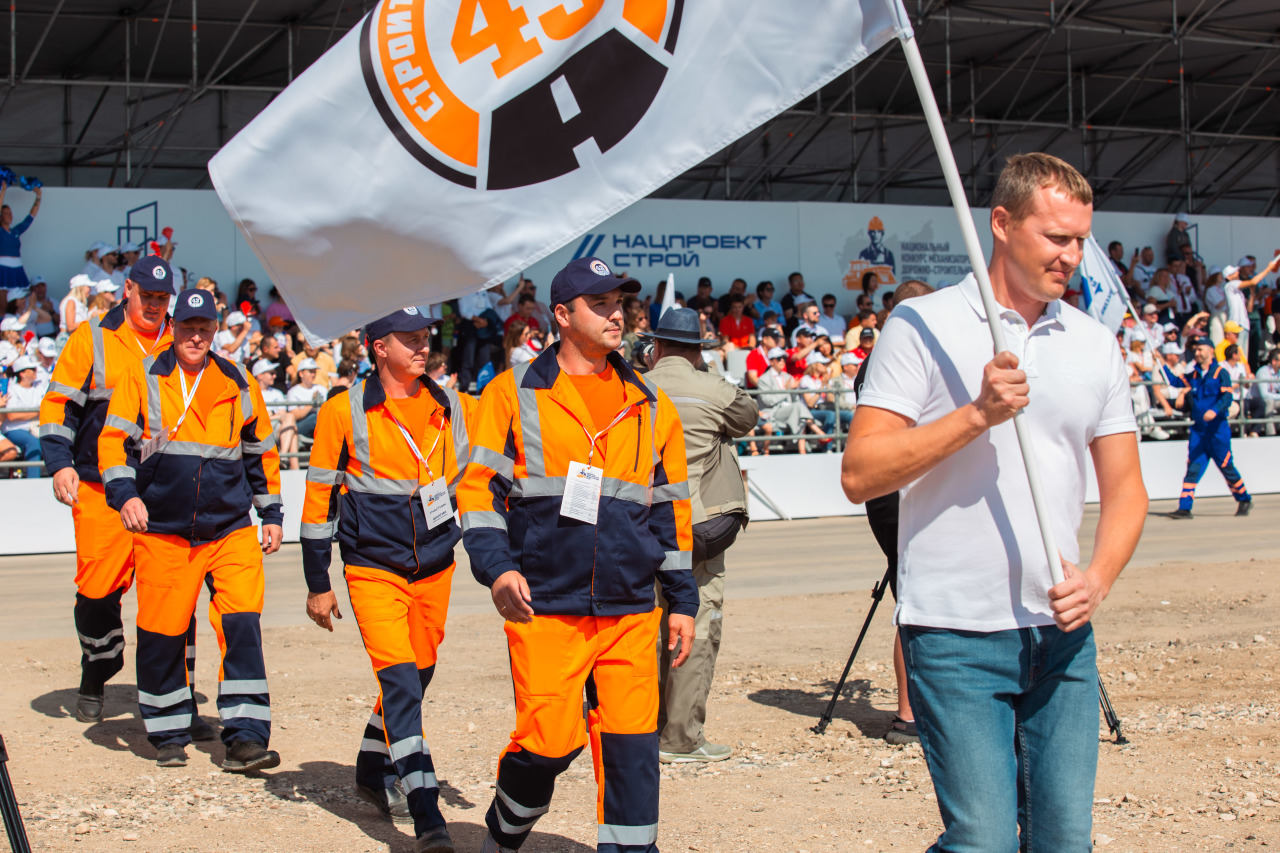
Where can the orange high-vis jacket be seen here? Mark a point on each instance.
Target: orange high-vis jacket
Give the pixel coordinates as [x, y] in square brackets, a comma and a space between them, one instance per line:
[95, 359]
[528, 430]
[364, 483]
[221, 462]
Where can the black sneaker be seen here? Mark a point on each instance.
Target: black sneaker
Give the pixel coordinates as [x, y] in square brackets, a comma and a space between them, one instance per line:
[171, 755]
[1243, 507]
[200, 730]
[391, 802]
[434, 841]
[246, 755]
[1179, 513]
[89, 707]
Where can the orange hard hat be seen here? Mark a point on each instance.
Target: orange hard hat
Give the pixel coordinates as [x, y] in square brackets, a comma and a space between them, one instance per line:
[875, 224]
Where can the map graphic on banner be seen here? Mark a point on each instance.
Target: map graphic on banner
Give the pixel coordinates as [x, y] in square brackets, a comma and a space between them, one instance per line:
[443, 146]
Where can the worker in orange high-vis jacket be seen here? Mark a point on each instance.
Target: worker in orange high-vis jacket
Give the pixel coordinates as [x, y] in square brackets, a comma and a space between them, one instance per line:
[387, 456]
[96, 357]
[186, 453]
[575, 501]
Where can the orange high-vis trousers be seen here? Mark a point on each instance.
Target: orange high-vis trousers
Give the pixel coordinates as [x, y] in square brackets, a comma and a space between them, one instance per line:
[402, 625]
[170, 572]
[553, 659]
[104, 573]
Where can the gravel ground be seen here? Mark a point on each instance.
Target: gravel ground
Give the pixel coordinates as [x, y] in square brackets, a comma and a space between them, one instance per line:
[1187, 653]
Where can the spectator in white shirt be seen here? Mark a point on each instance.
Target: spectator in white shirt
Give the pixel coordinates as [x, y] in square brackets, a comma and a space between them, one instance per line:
[1239, 279]
[809, 316]
[309, 395]
[1238, 368]
[1142, 268]
[286, 429]
[1263, 400]
[74, 308]
[11, 343]
[23, 428]
[46, 354]
[1185, 300]
[233, 341]
[1160, 293]
[787, 411]
[834, 323]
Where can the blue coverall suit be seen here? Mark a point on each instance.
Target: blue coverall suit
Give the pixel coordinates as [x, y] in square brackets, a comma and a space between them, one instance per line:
[1210, 391]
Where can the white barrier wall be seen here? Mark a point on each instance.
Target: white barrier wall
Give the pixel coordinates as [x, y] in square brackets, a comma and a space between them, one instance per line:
[785, 485]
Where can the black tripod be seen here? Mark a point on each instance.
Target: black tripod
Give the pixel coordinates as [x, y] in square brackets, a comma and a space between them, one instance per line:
[877, 593]
[9, 807]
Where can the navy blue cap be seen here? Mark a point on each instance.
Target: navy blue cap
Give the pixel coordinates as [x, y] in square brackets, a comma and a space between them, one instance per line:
[409, 319]
[583, 276]
[194, 305]
[1199, 342]
[153, 274]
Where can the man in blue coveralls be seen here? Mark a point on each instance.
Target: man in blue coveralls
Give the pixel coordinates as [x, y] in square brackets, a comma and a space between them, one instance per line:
[1208, 400]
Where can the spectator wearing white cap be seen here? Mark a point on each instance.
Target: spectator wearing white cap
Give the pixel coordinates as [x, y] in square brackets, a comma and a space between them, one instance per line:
[93, 262]
[309, 394]
[233, 341]
[22, 428]
[844, 381]
[46, 355]
[11, 343]
[1240, 281]
[286, 430]
[1178, 236]
[74, 308]
[104, 297]
[779, 410]
[129, 253]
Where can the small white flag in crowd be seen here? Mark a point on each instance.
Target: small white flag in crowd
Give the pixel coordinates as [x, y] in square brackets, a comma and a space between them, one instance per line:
[1105, 298]
[443, 146]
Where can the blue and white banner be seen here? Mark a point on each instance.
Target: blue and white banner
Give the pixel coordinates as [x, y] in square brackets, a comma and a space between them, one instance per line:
[443, 146]
[1104, 297]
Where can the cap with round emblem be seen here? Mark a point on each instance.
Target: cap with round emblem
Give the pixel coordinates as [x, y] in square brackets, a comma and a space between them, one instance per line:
[152, 274]
[584, 276]
[195, 305]
[409, 319]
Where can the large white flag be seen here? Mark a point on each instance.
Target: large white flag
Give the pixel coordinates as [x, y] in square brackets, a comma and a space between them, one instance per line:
[1105, 298]
[443, 145]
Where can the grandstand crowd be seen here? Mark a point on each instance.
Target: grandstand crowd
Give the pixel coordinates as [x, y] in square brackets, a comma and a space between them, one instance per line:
[796, 351]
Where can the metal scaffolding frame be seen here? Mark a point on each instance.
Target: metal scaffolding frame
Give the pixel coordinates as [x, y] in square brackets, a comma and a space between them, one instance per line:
[1162, 103]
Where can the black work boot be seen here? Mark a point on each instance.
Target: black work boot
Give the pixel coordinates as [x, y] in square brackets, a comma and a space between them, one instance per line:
[246, 755]
[1243, 507]
[89, 701]
[1179, 513]
[391, 802]
[434, 841]
[171, 755]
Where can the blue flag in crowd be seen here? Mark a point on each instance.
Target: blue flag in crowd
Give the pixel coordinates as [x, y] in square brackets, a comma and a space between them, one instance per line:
[1104, 297]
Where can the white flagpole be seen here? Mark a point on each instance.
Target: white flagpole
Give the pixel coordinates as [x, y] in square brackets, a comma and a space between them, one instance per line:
[974, 248]
[668, 295]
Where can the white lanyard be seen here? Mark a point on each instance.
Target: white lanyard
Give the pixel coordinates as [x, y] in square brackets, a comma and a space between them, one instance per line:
[187, 398]
[413, 445]
[594, 438]
[160, 334]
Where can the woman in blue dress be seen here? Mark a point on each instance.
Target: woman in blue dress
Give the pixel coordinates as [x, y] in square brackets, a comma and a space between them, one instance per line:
[13, 279]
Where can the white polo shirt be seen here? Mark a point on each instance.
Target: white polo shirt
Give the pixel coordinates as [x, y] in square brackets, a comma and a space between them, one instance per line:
[970, 553]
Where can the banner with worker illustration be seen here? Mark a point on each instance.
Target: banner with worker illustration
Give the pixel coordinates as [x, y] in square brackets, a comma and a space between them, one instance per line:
[441, 146]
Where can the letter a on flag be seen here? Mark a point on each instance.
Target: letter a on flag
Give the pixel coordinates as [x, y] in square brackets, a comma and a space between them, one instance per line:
[444, 145]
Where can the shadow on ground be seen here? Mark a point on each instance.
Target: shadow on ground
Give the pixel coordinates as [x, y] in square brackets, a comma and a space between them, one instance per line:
[121, 728]
[312, 779]
[854, 705]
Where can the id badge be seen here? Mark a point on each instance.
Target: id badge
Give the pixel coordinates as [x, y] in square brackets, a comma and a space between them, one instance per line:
[582, 492]
[152, 446]
[435, 503]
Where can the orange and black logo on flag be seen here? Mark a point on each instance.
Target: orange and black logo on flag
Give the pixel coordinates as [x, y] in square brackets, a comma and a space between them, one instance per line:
[500, 94]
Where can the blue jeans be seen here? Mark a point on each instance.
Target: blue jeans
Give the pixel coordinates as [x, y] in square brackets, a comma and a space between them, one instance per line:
[29, 444]
[1009, 725]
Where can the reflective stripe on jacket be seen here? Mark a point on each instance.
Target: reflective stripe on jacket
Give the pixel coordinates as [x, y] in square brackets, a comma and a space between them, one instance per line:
[363, 484]
[527, 432]
[221, 463]
[97, 356]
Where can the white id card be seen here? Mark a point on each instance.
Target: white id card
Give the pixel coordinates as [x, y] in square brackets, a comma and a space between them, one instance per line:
[152, 446]
[582, 492]
[435, 503]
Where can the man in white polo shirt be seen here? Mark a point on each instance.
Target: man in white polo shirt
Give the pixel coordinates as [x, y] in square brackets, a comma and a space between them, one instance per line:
[1001, 663]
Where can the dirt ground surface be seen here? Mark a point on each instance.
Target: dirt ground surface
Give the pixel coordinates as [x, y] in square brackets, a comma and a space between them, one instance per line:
[1189, 643]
